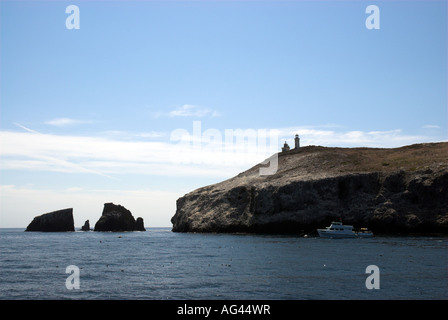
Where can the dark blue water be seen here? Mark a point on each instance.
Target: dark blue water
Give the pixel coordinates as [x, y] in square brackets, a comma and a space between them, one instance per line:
[159, 264]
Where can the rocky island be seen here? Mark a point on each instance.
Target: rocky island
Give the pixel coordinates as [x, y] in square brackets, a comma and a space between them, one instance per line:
[56, 221]
[118, 218]
[398, 190]
[86, 226]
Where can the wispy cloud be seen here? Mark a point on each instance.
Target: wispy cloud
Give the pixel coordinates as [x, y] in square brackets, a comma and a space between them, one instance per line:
[124, 135]
[431, 126]
[187, 110]
[63, 122]
[209, 155]
[100, 156]
[354, 138]
[25, 128]
[35, 156]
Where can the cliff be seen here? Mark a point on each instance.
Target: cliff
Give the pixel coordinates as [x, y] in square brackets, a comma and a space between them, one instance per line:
[118, 218]
[400, 190]
[61, 220]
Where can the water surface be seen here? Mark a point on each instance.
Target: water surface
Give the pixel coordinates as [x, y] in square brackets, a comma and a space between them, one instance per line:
[160, 264]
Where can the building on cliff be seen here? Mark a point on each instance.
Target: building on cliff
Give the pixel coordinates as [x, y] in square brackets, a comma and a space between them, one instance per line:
[286, 147]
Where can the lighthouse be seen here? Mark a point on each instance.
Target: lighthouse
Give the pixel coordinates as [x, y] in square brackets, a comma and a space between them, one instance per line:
[297, 142]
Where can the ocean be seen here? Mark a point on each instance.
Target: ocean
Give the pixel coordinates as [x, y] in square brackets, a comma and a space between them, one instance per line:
[159, 264]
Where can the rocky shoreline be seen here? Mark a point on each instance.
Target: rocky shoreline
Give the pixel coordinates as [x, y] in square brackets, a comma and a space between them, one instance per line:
[394, 191]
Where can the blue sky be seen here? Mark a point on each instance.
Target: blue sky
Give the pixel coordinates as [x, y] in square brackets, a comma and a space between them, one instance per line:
[89, 116]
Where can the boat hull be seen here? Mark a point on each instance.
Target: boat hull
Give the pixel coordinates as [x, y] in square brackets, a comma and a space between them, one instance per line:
[330, 234]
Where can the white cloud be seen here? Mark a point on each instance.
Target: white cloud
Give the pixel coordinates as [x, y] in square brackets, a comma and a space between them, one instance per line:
[189, 110]
[152, 134]
[332, 138]
[211, 154]
[117, 134]
[431, 126]
[108, 157]
[63, 122]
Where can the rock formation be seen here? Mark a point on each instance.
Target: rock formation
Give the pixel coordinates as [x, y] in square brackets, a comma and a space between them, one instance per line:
[61, 220]
[117, 218]
[398, 190]
[86, 226]
[139, 226]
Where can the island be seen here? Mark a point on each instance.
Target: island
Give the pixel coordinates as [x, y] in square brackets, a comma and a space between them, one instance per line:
[118, 218]
[389, 190]
[56, 221]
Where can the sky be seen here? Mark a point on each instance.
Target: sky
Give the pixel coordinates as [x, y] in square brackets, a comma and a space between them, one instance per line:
[145, 101]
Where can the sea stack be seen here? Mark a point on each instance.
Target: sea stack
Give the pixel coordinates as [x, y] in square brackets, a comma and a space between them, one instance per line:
[56, 221]
[139, 225]
[86, 226]
[118, 218]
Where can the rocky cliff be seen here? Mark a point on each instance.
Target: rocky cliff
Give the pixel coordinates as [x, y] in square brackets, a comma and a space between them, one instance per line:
[61, 220]
[400, 190]
[118, 218]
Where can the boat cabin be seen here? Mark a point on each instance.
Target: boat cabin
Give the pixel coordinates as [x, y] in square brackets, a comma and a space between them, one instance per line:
[339, 226]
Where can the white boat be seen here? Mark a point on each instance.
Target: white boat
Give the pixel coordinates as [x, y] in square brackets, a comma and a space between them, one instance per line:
[339, 230]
